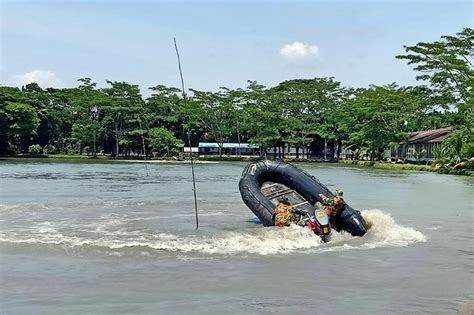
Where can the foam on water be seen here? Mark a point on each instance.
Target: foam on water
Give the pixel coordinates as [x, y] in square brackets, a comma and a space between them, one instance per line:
[113, 235]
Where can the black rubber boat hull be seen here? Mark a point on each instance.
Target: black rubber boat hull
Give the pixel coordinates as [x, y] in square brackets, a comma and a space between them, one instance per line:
[261, 172]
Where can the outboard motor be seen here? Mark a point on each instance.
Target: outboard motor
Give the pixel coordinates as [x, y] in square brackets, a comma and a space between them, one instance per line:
[319, 224]
[354, 223]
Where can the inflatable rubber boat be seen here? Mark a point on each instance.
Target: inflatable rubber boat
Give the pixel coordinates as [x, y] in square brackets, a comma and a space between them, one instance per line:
[264, 182]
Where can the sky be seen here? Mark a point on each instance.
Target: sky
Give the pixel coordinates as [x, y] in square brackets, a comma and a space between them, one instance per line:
[221, 43]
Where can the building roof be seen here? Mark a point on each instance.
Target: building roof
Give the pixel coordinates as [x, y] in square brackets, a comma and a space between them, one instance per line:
[429, 136]
[352, 147]
[228, 145]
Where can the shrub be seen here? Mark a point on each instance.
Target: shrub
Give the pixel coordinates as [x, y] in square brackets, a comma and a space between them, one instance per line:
[163, 141]
[35, 149]
[469, 164]
[467, 150]
[49, 149]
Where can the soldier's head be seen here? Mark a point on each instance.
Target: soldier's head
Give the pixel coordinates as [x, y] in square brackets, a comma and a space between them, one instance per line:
[339, 193]
[338, 202]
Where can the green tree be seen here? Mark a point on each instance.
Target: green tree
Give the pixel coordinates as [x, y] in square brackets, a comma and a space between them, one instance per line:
[164, 104]
[380, 116]
[123, 101]
[309, 107]
[82, 113]
[260, 118]
[7, 94]
[163, 141]
[448, 65]
[23, 122]
[215, 115]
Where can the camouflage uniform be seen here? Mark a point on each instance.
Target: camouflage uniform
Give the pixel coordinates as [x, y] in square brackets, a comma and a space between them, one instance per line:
[284, 214]
[333, 206]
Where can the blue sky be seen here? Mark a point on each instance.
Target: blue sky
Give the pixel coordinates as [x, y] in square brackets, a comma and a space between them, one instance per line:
[222, 43]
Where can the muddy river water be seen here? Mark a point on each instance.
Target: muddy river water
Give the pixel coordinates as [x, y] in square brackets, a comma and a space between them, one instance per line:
[116, 237]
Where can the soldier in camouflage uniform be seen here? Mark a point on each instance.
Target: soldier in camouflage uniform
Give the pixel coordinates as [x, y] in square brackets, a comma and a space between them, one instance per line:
[333, 206]
[285, 214]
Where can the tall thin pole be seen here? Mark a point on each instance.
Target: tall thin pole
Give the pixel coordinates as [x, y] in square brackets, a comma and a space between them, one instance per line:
[189, 135]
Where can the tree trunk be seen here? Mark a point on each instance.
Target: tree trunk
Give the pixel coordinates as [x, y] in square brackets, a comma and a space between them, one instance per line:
[238, 136]
[297, 152]
[221, 144]
[117, 137]
[325, 148]
[283, 150]
[336, 149]
[143, 141]
[95, 147]
[116, 141]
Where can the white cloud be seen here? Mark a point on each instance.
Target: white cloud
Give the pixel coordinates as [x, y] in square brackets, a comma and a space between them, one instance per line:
[299, 51]
[44, 78]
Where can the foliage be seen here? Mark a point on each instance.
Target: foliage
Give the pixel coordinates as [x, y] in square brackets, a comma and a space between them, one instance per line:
[22, 120]
[49, 149]
[35, 149]
[163, 141]
[418, 155]
[446, 64]
[308, 108]
[451, 147]
[313, 115]
[425, 168]
[467, 150]
[379, 116]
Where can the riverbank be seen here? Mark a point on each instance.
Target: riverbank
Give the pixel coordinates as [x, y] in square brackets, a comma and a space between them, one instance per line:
[411, 167]
[375, 164]
[135, 158]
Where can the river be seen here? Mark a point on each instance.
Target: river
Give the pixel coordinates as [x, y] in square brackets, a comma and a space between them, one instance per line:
[94, 237]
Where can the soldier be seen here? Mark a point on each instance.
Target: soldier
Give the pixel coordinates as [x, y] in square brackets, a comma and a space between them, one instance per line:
[333, 206]
[285, 214]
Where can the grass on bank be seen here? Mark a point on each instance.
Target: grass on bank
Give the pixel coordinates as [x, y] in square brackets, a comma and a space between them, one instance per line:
[413, 167]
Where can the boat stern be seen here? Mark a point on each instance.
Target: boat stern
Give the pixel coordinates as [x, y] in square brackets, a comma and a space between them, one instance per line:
[353, 222]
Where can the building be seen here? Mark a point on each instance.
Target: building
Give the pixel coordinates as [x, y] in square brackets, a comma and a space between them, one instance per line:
[212, 148]
[289, 151]
[420, 141]
[349, 152]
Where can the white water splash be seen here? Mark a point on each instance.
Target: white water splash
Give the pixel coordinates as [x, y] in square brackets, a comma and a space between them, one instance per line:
[110, 235]
[383, 232]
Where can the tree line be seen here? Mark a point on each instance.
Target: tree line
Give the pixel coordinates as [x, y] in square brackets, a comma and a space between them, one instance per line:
[312, 115]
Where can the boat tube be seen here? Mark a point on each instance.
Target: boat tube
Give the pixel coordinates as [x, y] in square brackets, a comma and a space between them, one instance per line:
[264, 182]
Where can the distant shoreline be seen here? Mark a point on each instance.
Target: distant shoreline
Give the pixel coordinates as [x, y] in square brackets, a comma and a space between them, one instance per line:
[210, 160]
[408, 167]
